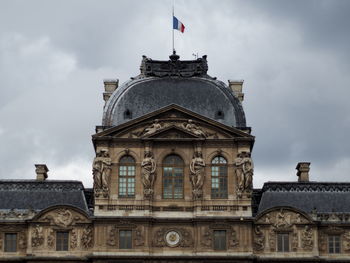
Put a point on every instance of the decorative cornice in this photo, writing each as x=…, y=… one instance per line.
x=306, y=187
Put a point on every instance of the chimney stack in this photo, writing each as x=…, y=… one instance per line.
x=236, y=86
x=41, y=172
x=303, y=169
x=110, y=86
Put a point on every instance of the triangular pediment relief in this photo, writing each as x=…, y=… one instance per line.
x=175, y=121
x=173, y=132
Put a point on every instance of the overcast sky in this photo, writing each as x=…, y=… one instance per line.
x=294, y=57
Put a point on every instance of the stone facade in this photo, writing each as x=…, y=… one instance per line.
x=173, y=185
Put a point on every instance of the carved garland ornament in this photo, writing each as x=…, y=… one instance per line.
x=87, y=237
x=37, y=236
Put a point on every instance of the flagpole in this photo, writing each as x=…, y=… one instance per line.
x=173, y=27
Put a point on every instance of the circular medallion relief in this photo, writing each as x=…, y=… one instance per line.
x=172, y=238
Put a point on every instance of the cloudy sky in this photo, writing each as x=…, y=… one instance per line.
x=294, y=57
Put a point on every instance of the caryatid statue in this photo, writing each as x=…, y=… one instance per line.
x=244, y=171
x=101, y=170
x=148, y=173
x=197, y=174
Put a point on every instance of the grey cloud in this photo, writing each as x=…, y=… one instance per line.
x=293, y=56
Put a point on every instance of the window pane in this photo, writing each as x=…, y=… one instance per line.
x=219, y=177
x=334, y=244
x=127, y=177
x=125, y=239
x=219, y=239
x=62, y=241
x=173, y=177
x=283, y=242
x=10, y=242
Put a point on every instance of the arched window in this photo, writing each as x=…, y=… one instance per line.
x=173, y=170
x=219, y=177
x=127, y=176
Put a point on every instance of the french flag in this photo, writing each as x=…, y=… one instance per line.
x=178, y=25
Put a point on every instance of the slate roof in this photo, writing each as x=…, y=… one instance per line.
x=184, y=83
x=38, y=195
x=323, y=196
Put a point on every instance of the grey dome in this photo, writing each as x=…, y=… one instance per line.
x=193, y=90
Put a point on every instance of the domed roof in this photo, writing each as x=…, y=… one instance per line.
x=184, y=83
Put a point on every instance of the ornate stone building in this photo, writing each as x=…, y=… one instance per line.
x=173, y=183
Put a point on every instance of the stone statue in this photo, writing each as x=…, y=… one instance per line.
x=101, y=170
x=192, y=127
x=155, y=126
x=148, y=173
x=244, y=172
x=197, y=174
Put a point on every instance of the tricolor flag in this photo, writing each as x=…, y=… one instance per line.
x=178, y=25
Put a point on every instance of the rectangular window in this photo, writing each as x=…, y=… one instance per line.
x=62, y=238
x=220, y=239
x=282, y=242
x=127, y=181
x=10, y=242
x=334, y=244
x=125, y=239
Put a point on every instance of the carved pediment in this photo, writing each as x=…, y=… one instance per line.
x=183, y=123
x=62, y=217
x=283, y=218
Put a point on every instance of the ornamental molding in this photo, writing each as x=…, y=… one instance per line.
x=173, y=237
x=306, y=187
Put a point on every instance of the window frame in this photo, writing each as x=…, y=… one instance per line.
x=222, y=192
x=173, y=177
x=127, y=177
x=332, y=250
x=60, y=245
x=7, y=247
x=126, y=241
x=284, y=248
x=214, y=239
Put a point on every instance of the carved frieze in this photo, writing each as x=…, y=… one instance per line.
x=37, y=236
x=63, y=217
x=139, y=239
x=233, y=239
x=346, y=241
x=207, y=238
x=51, y=238
x=307, y=238
x=259, y=239
x=17, y=214
x=173, y=237
x=111, y=236
x=73, y=239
